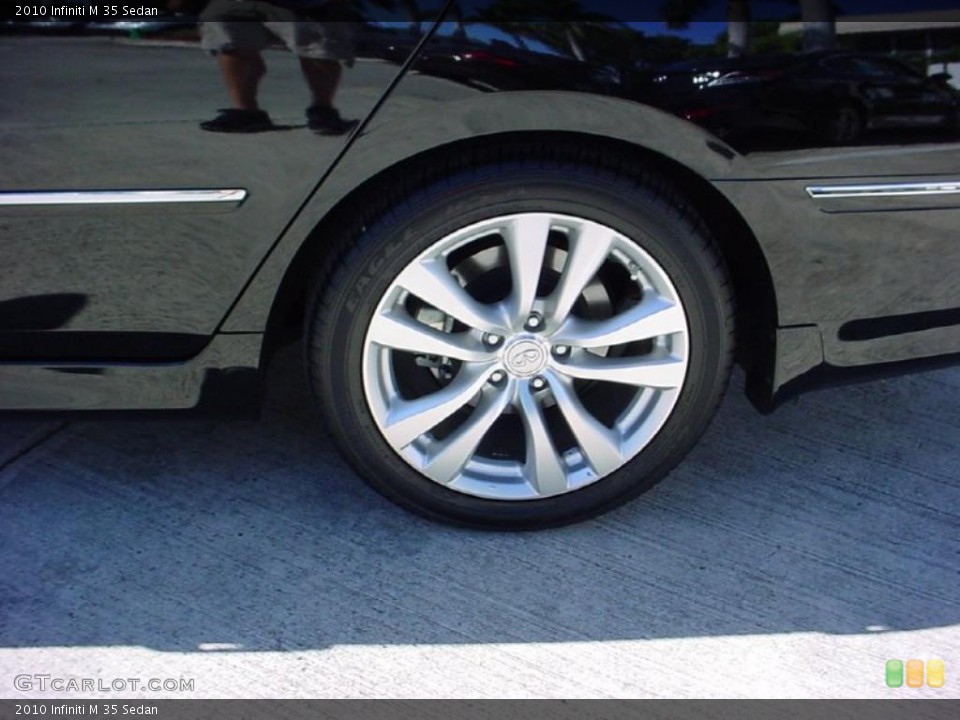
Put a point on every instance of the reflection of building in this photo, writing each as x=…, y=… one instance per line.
x=933, y=33
x=930, y=32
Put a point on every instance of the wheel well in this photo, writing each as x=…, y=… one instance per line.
x=753, y=286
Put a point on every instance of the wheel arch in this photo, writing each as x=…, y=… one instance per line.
x=317, y=257
x=401, y=151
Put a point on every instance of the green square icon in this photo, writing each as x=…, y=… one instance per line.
x=894, y=673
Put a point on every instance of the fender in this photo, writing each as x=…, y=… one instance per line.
x=399, y=132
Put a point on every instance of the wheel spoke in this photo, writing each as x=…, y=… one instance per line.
x=543, y=468
x=651, y=318
x=663, y=373
x=398, y=331
x=446, y=463
x=409, y=419
x=600, y=444
x=590, y=246
x=526, y=239
x=431, y=281
x=519, y=353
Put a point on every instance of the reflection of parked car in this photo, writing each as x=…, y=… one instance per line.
x=375, y=41
x=682, y=77
x=498, y=64
x=835, y=96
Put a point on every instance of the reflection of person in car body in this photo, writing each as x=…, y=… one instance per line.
x=237, y=30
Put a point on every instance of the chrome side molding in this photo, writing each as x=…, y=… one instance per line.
x=121, y=197
x=916, y=189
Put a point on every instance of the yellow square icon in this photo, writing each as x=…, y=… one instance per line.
x=914, y=673
x=935, y=673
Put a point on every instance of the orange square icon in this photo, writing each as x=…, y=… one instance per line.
x=914, y=673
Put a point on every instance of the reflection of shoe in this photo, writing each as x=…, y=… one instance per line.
x=327, y=121
x=238, y=121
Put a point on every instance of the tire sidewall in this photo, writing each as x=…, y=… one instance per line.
x=389, y=245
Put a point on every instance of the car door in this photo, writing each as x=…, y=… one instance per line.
x=127, y=229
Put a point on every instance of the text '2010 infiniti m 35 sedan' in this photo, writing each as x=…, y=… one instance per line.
x=520, y=267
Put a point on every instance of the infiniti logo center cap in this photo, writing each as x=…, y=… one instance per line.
x=525, y=357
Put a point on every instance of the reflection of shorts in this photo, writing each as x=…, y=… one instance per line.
x=254, y=25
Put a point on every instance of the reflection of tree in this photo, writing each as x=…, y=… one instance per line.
x=679, y=13
x=410, y=9
x=819, y=25
x=560, y=24
x=738, y=27
x=567, y=27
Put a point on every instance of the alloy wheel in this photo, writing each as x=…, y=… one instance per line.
x=525, y=356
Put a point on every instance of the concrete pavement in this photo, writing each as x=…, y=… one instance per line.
x=789, y=556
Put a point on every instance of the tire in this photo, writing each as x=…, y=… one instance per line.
x=951, y=122
x=518, y=356
x=844, y=124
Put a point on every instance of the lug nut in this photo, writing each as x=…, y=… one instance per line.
x=491, y=339
x=561, y=350
x=497, y=377
x=534, y=322
x=539, y=383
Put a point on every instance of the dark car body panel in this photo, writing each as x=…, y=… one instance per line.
x=759, y=102
x=95, y=126
x=177, y=306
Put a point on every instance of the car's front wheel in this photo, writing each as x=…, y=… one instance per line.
x=523, y=345
x=844, y=124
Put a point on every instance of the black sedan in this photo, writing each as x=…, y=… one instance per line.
x=519, y=309
x=832, y=97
